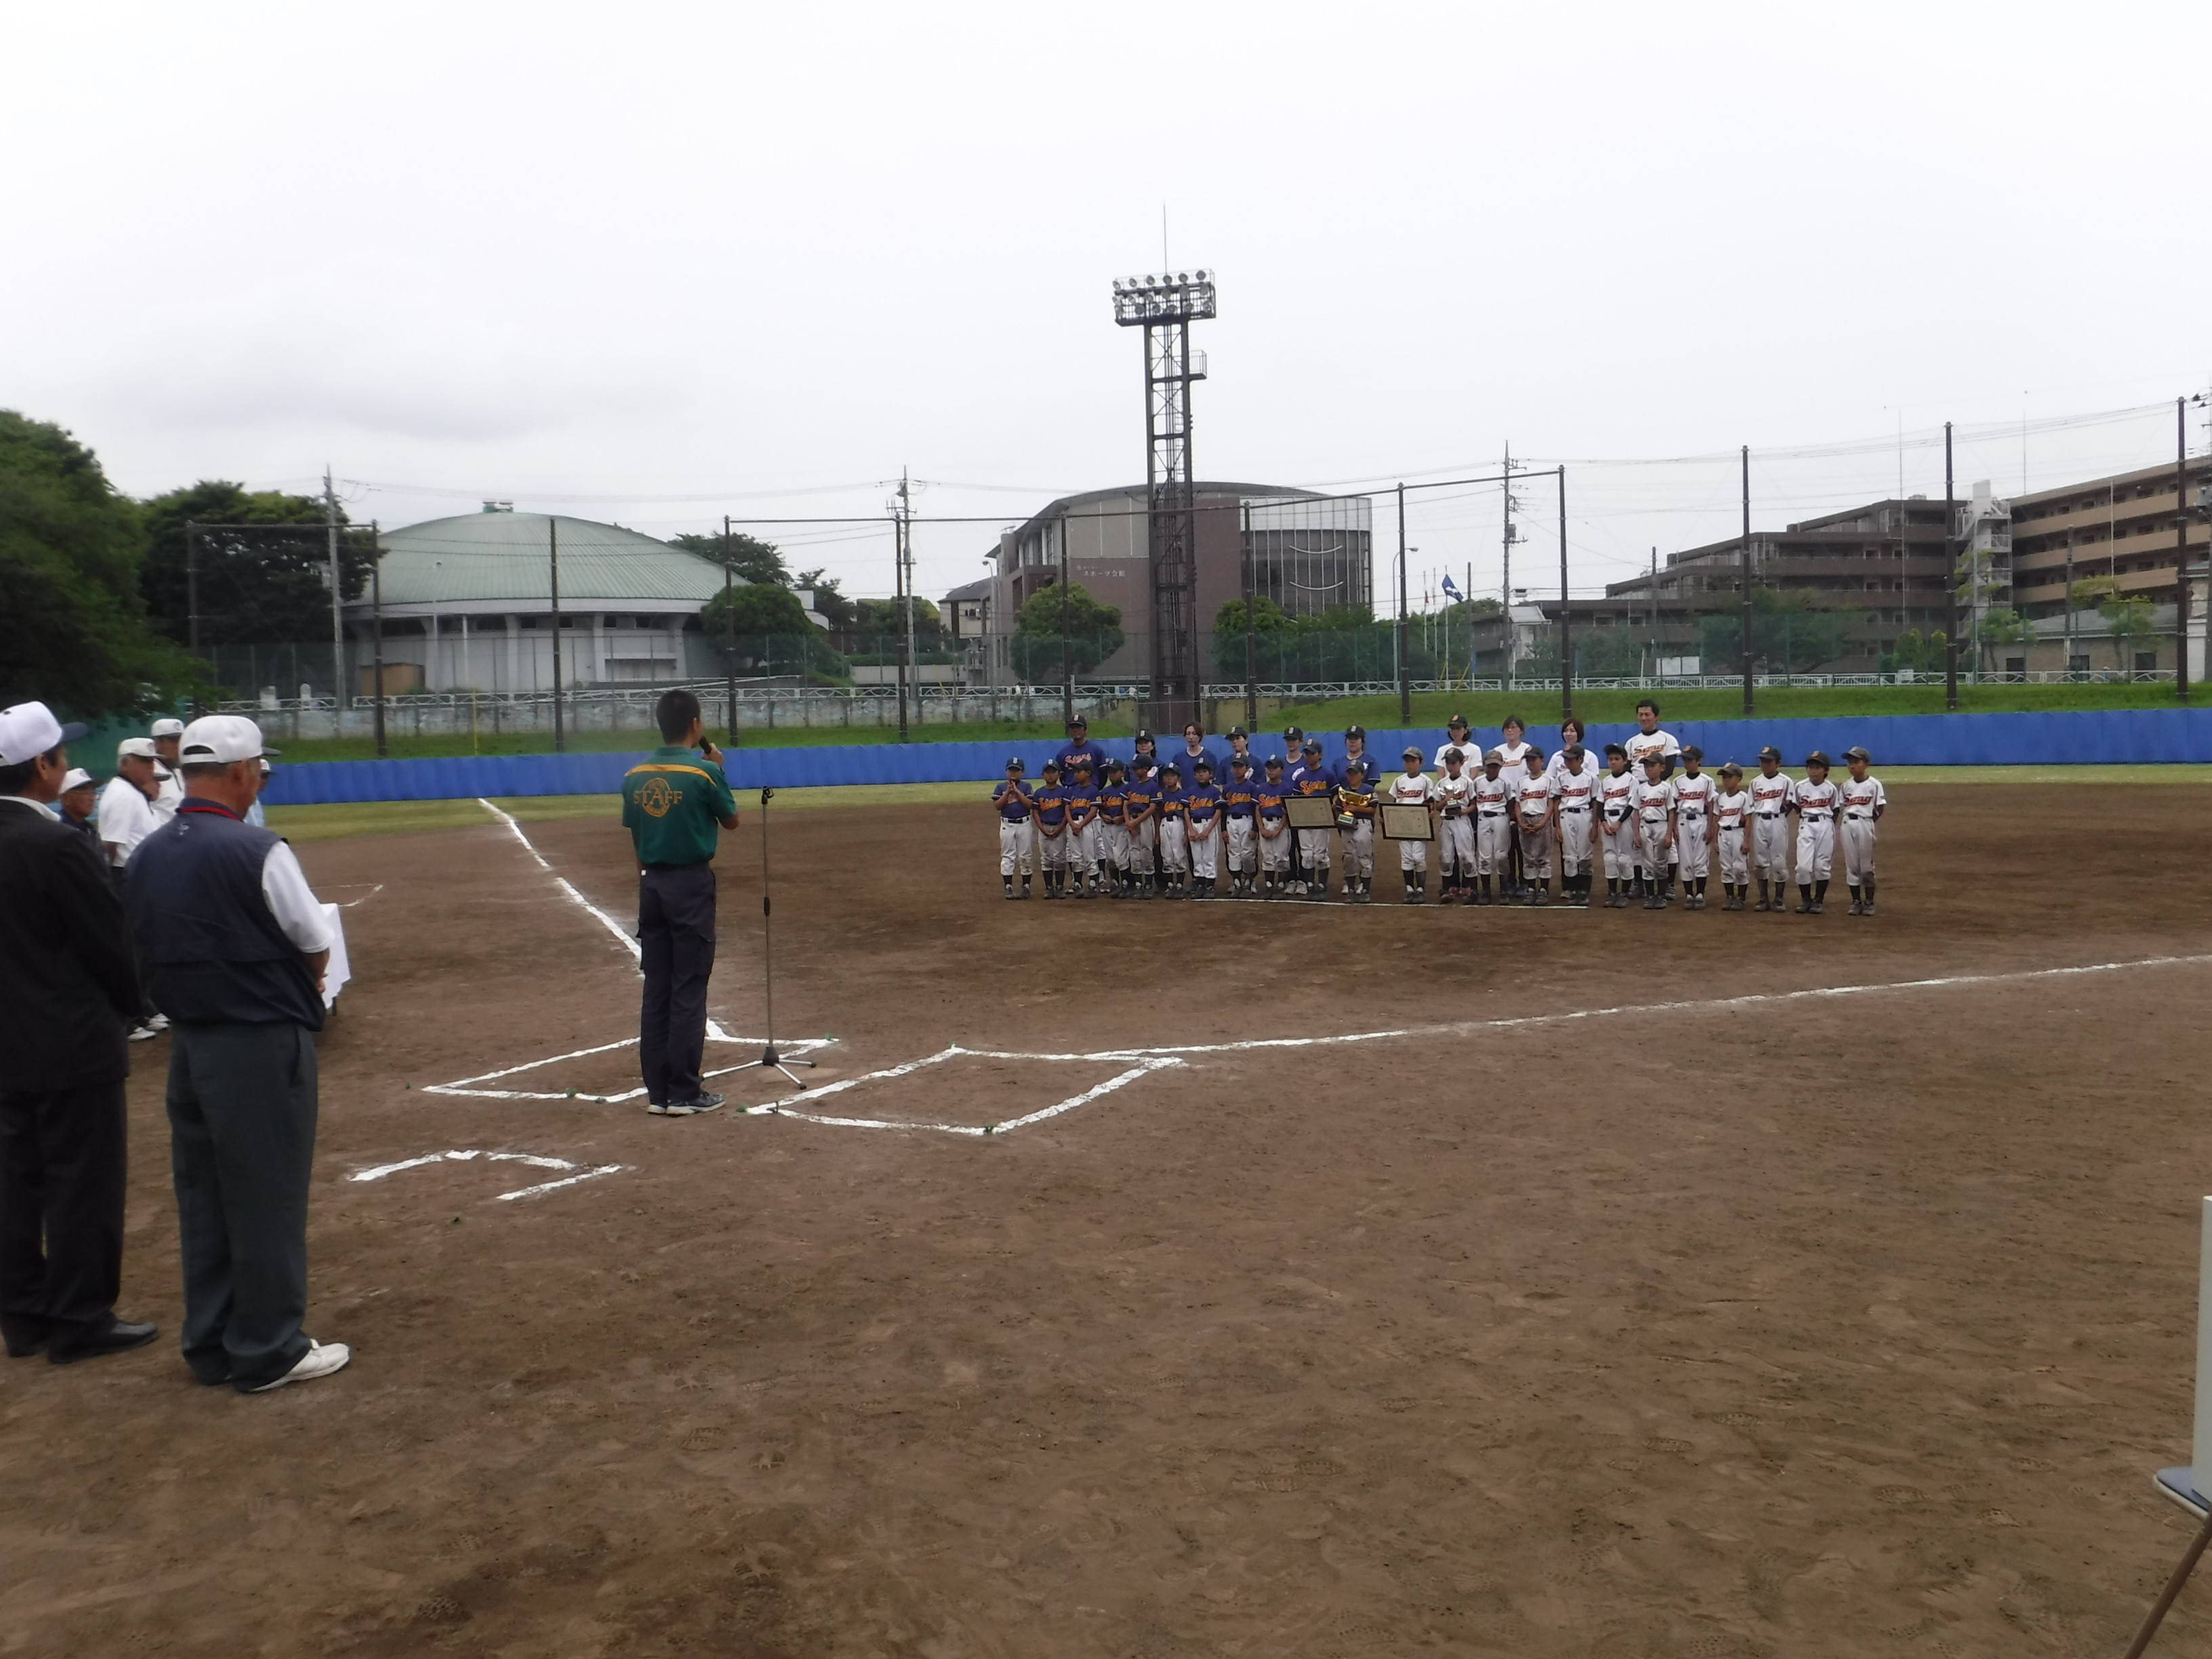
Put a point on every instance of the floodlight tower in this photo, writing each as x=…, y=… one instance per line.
x=1164, y=306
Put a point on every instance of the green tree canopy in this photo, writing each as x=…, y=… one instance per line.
x=834, y=608
x=751, y=558
x=1790, y=632
x=73, y=629
x=765, y=629
x=1267, y=616
x=878, y=627
x=1093, y=632
x=256, y=585
x=2129, y=619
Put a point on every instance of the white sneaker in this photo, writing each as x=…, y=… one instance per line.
x=320, y=1359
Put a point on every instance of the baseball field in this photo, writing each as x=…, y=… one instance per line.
x=1333, y=1281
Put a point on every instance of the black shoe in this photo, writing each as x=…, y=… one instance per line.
x=702, y=1101
x=23, y=1344
x=119, y=1336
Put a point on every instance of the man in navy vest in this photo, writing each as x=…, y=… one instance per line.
x=67, y=992
x=236, y=944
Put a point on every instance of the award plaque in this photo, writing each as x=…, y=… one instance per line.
x=1310, y=812
x=1404, y=822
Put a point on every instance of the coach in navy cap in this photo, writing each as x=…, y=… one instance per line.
x=236, y=944
x=68, y=991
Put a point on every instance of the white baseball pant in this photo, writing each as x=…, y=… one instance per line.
x=1857, y=836
x=1413, y=855
x=1051, y=849
x=1016, y=845
x=1493, y=841
x=1619, y=840
x=1114, y=846
x=1652, y=852
x=1313, y=850
x=1175, y=839
x=1735, y=863
x=1770, y=846
x=1206, y=852
x=1535, y=853
x=1691, y=851
x=1455, y=844
x=1816, y=849
x=1574, y=840
x=1359, y=849
x=1275, y=850
x=1239, y=831
x=1082, y=850
x=1137, y=843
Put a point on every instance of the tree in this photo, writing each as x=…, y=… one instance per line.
x=256, y=586
x=1092, y=630
x=1790, y=632
x=833, y=606
x=1609, y=654
x=2001, y=625
x=73, y=629
x=765, y=629
x=752, y=559
x=2128, y=618
x=878, y=628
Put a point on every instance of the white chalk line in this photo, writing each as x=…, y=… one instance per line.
x=792, y=1046
x=536, y=1160
x=1145, y=1064
x=374, y=888
x=714, y=1031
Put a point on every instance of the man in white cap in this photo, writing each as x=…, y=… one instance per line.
x=127, y=814
x=67, y=990
x=237, y=943
x=167, y=735
x=78, y=801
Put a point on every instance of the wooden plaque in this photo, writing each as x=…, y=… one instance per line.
x=1404, y=822
x=1310, y=812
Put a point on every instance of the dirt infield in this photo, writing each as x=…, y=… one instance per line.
x=1747, y=1324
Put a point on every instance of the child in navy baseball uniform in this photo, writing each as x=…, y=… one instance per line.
x=1294, y=748
x=1314, y=777
x=1017, y=828
x=1616, y=827
x=1414, y=787
x=1140, y=803
x=1770, y=829
x=1494, y=832
x=1240, y=799
x=1048, y=801
x=1201, y=812
x=1082, y=828
x=1864, y=801
x=1277, y=839
x=1355, y=817
x=1814, y=798
x=1732, y=836
x=1113, y=830
x=1174, y=833
x=1694, y=795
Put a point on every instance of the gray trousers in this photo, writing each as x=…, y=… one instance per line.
x=242, y=1111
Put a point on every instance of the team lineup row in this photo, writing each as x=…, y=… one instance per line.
x=1501, y=820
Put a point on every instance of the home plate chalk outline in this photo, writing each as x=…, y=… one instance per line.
x=468, y=1085
x=534, y=1159
x=1141, y=1066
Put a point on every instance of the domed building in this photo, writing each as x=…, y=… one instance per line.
x=467, y=605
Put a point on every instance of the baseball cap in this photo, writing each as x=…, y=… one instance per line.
x=1855, y=752
x=1241, y=760
x=216, y=738
x=1074, y=720
x=1411, y=753
x=1052, y=765
x=1770, y=753
x=1454, y=754
x=78, y=778
x=1171, y=769
x=1690, y=751
x=1015, y=763
x=1274, y=760
x=1239, y=731
x=1460, y=720
x=1730, y=769
x=1312, y=746
x=1493, y=758
x=137, y=749
x=1355, y=730
x=1818, y=757
x=1115, y=766
x=1202, y=765
x=1143, y=737
x=1655, y=758
x=27, y=729
x=166, y=729
x=1572, y=751
x=1294, y=731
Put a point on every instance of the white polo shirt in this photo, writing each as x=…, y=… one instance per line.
x=126, y=818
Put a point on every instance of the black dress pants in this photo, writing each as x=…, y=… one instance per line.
x=242, y=1110
x=61, y=1209
x=676, y=939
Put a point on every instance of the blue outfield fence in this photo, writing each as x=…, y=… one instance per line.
x=2094, y=736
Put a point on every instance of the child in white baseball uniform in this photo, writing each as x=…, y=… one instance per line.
x=1770, y=829
x=1456, y=827
x=1616, y=829
x=1536, y=813
x=1732, y=836
x=1864, y=800
x=1694, y=795
x=1654, y=801
x=1415, y=788
x=1493, y=832
x=1575, y=784
x=1812, y=798
x=1017, y=833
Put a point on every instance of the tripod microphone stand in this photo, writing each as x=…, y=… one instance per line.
x=770, y=1059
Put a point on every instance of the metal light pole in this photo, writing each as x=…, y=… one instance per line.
x=1251, y=625
x=376, y=626
x=553, y=569
x=1405, y=678
x=1066, y=657
x=1950, y=580
x=2180, y=551
x=1748, y=680
x=729, y=634
x=1566, y=639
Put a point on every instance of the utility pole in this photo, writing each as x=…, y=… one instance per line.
x=1251, y=626
x=1505, y=595
x=553, y=570
x=376, y=626
x=1950, y=580
x=1566, y=640
x=729, y=634
x=1747, y=679
x=2180, y=550
x=1405, y=680
x=899, y=533
x=2070, y=535
x=338, y=603
x=1066, y=657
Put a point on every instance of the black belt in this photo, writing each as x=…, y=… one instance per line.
x=1488, y=813
x=1574, y=809
x=1770, y=814
x=1860, y=817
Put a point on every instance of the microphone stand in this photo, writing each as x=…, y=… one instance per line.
x=769, y=1060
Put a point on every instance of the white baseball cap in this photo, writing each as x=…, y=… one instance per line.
x=78, y=778
x=27, y=729
x=136, y=748
x=167, y=729
x=215, y=739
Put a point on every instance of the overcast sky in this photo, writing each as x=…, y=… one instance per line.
x=658, y=262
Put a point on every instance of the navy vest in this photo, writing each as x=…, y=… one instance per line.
x=214, y=952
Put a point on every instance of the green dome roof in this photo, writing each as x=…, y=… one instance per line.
x=500, y=559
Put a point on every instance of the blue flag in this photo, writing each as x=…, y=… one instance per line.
x=1451, y=590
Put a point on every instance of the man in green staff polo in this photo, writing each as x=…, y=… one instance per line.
x=671, y=802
